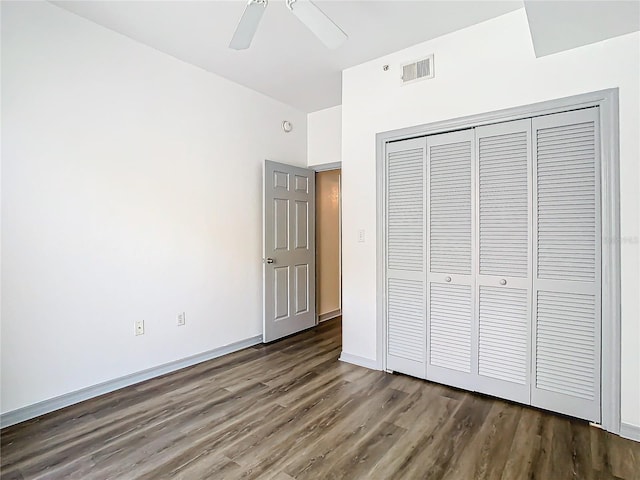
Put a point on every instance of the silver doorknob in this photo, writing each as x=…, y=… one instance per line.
x=269, y=260
x=448, y=279
x=503, y=282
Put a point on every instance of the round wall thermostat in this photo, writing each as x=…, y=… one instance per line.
x=286, y=126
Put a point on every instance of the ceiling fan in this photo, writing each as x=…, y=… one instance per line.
x=308, y=13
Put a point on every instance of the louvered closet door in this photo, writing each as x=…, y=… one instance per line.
x=405, y=243
x=451, y=342
x=567, y=281
x=503, y=293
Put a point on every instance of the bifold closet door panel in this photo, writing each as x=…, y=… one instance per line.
x=503, y=295
x=567, y=264
x=406, y=257
x=451, y=340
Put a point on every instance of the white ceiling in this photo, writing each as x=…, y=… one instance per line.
x=288, y=63
x=561, y=25
x=285, y=60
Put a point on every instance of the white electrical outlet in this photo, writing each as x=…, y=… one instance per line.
x=181, y=318
x=140, y=327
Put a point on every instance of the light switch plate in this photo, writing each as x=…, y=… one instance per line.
x=139, y=327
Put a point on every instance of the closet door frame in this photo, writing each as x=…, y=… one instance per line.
x=607, y=101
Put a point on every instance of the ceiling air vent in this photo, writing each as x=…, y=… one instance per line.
x=418, y=70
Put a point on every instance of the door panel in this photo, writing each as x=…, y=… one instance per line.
x=302, y=224
x=405, y=243
x=565, y=343
x=450, y=212
x=289, y=246
x=302, y=289
x=280, y=224
x=503, y=356
x=503, y=291
x=406, y=322
x=567, y=277
x=302, y=184
x=450, y=326
x=451, y=337
x=281, y=284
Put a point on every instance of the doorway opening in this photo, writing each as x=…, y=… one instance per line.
x=328, y=244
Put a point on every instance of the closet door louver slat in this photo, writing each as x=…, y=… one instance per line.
x=566, y=365
x=405, y=242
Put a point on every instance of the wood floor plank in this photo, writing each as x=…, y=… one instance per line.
x=316, y=423
x=625, y=457
x=405, y=459
x=446, y=449
x=290, y=410
x=419, y=406
x=208, y=465
x=522, y=455
x=561, y=448
x=318, y=460
x=360, y=458
x=489, y=448
x=580, y=445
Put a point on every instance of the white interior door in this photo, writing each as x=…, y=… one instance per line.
x=405, y=242
x=451, y=333
x=503, y=292
x=289, y=250
x=567, y=264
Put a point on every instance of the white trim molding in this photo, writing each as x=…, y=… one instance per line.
x=324, y=167
x=632, y=432
x=62, y=401
x=323, y=317
x=607, y=101
x=359, y=361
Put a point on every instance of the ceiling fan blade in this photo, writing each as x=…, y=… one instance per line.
x=248, y=24
x=317, y=21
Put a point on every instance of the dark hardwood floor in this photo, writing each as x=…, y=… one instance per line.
x=291, y=410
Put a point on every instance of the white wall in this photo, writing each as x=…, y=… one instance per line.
x=324, y=136
x=483, y=68
x=131, y=189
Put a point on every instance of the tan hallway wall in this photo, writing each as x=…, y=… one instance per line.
x=328, y=241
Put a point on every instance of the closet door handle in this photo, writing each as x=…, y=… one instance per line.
x=447, y=279
x=503, y=282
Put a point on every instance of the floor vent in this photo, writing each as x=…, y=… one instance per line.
x=418, y=70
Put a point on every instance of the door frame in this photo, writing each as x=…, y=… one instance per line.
x=326, y=167
x=607, y=101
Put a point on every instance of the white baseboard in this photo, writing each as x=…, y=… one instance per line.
x=632, y=432
x=323, y=317
x=56, y=403
x=360, y=361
